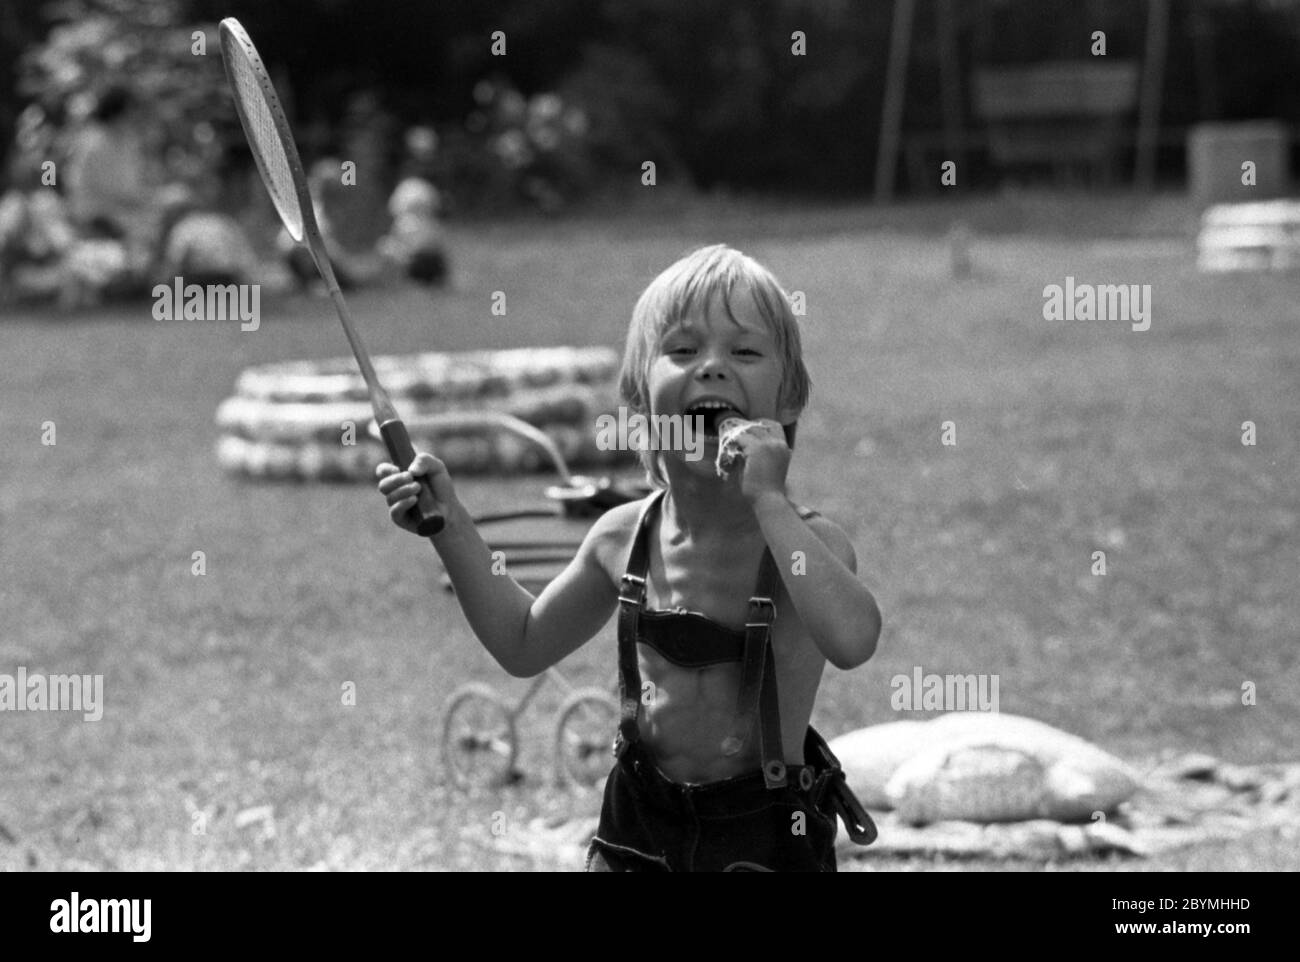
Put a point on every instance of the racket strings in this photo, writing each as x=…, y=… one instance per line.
x=265, y=140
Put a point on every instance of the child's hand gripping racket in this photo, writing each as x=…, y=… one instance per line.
x=277, y=160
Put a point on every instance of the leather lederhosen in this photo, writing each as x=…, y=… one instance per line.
x=776, y=819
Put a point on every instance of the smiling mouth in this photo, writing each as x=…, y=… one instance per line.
x=713, y=413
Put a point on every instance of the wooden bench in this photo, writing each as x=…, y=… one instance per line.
x=1066, y=115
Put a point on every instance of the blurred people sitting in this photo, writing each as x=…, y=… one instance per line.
x=350, y=268
x=34, y=229
x=206, y=247
x=42, y=258
x=114, y=183
x=416, y=242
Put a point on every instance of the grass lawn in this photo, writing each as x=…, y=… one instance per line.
x=223, y=692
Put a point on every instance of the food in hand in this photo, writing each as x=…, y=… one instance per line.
x=730, y=428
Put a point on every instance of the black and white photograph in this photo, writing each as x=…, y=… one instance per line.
x=651, y=436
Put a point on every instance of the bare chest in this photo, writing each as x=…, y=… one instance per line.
x=715, y=578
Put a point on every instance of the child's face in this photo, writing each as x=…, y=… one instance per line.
x=708, y=356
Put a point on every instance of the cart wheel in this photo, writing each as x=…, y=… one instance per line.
x=479, y=741
x=584, y=734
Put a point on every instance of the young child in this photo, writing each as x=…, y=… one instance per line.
x=352, y=269
x=730, y=600
x=415, y=241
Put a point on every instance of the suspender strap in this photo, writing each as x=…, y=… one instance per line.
x=831, y=792
x=758, y=686
x=758, y=696
x=631, y=598
x=769, y=720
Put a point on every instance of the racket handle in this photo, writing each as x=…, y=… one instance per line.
x=428, y=519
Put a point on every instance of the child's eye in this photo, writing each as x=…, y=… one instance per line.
x=680, y=349
x=749, y=350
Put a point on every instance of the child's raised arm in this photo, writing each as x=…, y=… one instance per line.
x=839, y=610
x=526, y=635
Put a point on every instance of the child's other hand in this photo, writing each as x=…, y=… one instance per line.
x=766, y=458
x=401, y=488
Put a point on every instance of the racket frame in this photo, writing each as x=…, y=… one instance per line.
x=235, y=42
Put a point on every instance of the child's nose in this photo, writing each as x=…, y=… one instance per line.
x=713, y=360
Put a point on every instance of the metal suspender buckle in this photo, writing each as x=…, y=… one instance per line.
x=758, y=618
x=633, y=593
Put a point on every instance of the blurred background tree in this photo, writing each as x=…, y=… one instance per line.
x=146, y=47
x=711, y=92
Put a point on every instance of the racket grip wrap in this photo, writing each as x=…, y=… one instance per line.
x=428, y=519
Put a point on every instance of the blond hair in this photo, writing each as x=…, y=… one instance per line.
x=690, y=284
